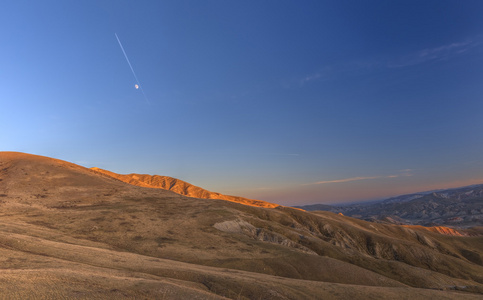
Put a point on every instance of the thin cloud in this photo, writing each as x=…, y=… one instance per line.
x=444, y=52
x=284, y=154
x=320, y=74
x=440, y=53
x=310, y=78
x=406, y=172
x=344, y=180
x=264, y=188
x=403, y=173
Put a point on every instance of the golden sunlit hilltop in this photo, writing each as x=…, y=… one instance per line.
x=71, y=232
x=180, y=187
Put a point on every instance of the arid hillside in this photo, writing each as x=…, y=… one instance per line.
x=180, y=187
x=71, y=232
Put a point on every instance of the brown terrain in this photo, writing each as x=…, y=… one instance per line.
x=180, y=187
x=455, y=208
x=71, y=232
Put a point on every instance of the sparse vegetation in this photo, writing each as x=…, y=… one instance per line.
x=135, y=242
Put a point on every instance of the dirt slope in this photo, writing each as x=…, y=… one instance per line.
x=71, y=232
x=181, y=187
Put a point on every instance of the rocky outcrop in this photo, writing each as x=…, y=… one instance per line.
x=260, y=234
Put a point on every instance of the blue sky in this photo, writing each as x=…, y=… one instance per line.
x=293, y=102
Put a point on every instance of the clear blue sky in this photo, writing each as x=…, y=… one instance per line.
x=294, y=102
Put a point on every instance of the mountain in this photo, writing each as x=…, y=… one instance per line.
x=180, y=187
x=71, y=232
x=457, y=207
x=314, y=207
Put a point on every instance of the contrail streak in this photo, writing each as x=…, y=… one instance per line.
x=134, y=73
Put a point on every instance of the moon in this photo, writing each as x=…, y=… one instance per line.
x=136, y=86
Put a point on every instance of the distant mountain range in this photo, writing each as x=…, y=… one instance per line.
x=458, y=207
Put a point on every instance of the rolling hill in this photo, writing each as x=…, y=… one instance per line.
x=71, y=232
x=180, y=187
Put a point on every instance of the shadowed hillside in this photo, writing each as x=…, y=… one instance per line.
x=71, y=232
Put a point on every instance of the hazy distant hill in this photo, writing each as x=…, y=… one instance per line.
x=68, y=232
x=460, y=207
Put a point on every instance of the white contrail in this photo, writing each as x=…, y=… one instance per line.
x=129, y=63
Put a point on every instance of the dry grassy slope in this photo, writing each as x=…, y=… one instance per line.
x=180, y=187
x=440, y=229
x=61, y=224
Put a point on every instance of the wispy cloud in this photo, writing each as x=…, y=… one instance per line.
x=320, y=74
x=310, y=77
x=343, y=180
x=443, y=52
x=439, y=53
x=406, y=172
x=403, y=173
x=264, y=188
x=284, y=154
